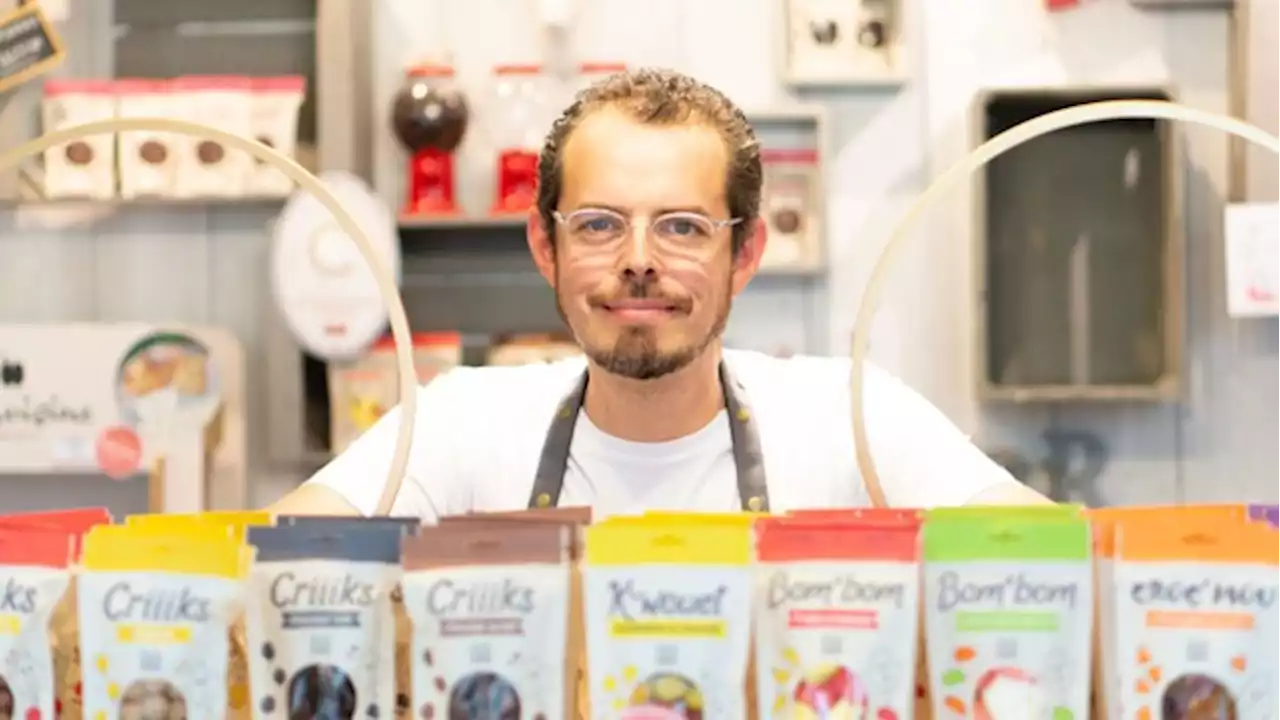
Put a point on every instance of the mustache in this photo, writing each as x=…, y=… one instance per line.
x=640, y=290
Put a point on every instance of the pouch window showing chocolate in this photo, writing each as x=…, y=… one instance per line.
x=154, y=618
x=406, y=525
x=574, y=519
x=1194, y=635
x=320, y=623
x=490, y=608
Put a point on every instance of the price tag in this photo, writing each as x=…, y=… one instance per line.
x=29, y=47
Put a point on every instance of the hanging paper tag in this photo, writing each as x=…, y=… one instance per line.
x=1252, y=246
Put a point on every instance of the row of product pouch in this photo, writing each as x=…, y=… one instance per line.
x=1051, y=612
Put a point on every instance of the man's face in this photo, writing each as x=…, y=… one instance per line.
x=651, y=300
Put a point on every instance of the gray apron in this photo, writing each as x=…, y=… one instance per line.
x=747, y=459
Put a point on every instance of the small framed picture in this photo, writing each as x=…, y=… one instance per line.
x=790, y=208
x=843, y=43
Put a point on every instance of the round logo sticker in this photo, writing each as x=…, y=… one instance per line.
x=119, y=452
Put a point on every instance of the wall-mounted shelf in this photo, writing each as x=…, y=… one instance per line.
x=855, y=44
x=462, y=222
x=794, y=150
x=1079, y=271
x=235, y=203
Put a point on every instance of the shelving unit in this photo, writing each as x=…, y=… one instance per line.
x=410, y=224
x=1079, y=272
x=840, y=60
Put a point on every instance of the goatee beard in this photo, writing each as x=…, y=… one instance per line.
x=636, y=356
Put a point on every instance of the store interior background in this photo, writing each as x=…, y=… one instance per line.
x=208, y=265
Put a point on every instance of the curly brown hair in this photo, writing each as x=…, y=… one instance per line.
x=662, y=97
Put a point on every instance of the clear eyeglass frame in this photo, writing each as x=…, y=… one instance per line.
x=698, y=228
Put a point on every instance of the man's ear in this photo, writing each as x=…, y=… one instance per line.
x=747, y=262
x=542, y=246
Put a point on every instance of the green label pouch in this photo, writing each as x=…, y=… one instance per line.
x=1008, y=613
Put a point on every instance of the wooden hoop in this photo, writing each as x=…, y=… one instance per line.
x=399, y=320
x=960, y=172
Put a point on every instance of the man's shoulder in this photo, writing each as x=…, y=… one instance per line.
x=514, y=388
x=803, y=375
x=814, y=385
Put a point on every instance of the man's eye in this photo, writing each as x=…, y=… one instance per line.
x=598, y=226
x=682, y=227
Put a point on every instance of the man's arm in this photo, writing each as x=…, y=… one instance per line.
x=1009, y=493
x=924, y=460
x=313, y=499
x=352, y=482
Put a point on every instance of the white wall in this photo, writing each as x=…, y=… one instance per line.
x=192, y=266
x=1220, y=444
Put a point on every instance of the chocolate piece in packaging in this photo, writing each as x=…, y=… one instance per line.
x=837, y=608
x=34, y=567
x=207, y=168
x=83, y=168
x=490, y=608
x=274, y=123
x=155, y=614
x=321, y=624
x=792, y=184
x=668, y=617
x=148, y=160
x=1008, y=609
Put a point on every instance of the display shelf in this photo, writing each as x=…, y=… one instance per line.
x=824, y=46
x=794, y=186
x=236, y=203
x=1079, y=272
x=409, y=223
x=887, y=82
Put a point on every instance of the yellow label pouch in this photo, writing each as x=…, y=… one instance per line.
x=154, y=612
x=668, y=613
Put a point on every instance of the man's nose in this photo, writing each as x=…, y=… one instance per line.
x=638, y=257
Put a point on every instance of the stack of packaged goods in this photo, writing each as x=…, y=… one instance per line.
x=992, y=613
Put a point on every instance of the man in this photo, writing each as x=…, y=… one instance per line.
x=647, y=227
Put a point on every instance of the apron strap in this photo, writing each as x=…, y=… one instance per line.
x=748, y=458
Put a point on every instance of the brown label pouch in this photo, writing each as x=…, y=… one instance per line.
x=576, y=649
x=489, y=606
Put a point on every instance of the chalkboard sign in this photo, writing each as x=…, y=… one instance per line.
x=28, y=46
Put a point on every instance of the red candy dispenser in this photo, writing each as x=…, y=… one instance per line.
x=430, y=117
x=520, y=117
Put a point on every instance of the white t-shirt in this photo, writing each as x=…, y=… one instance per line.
x=479, y=436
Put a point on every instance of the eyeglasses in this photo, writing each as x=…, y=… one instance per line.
x=599, y=228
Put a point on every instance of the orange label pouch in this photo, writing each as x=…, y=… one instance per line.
x=1196, y=619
